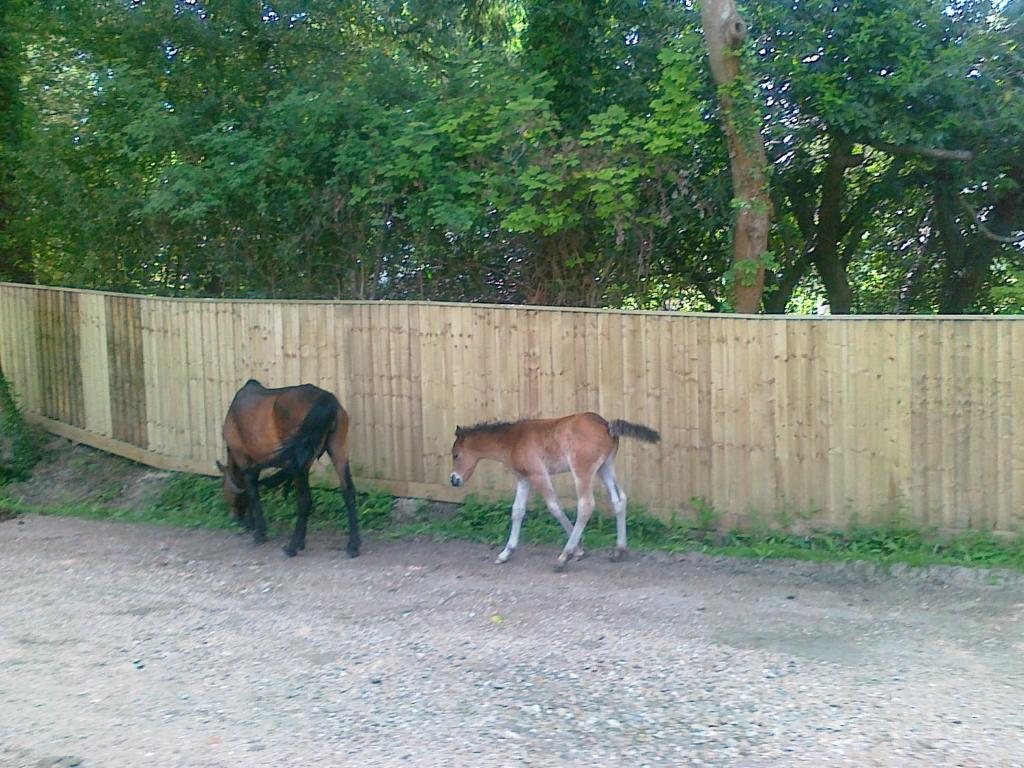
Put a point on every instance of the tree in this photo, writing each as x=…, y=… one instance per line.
x=14, y=261
x=870, y=104
x=570, y=152
x=724, y=32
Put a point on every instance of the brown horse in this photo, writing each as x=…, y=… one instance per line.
x=534, y=449
x=287, y=428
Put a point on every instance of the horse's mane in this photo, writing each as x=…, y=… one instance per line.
x=487, y=428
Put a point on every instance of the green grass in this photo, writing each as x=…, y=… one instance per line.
x=196, y=502
x=882, y=545
x=895, y=542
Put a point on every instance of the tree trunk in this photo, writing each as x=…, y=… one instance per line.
x=967, y=261
x=825, y=254
x=837, y=286
x=724, y=31
x=775, y=301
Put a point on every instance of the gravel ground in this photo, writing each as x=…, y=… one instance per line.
x=133, y=645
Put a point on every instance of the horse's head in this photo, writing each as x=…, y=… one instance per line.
x=234, y=494
x=464, y=459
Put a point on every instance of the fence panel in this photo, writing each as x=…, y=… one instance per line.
x=821, y=420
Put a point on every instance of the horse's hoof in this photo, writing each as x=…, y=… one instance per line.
x=559, y=565
x=290, y=551
x=352, y=552
x=257, y=540
x=502, y=557
x=578, y=554
x=619, y=554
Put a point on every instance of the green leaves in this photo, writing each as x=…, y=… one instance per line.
x=19, y=442
x=473, y=151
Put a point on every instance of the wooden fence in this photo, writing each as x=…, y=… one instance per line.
x=822, y=419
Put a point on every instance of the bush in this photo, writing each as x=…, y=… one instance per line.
x=19, y=443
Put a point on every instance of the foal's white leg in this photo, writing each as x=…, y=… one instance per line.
x=618, y=498
x=584, y=508
x=518, y=513
x=543, y=485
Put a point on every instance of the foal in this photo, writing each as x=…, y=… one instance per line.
x=534, y=449
x=288, y=428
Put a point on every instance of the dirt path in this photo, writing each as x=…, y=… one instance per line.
x=130, y=645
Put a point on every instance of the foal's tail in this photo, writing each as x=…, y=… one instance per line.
x=622, y=428
x=310, y=439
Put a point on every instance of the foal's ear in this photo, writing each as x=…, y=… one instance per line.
x=220, y=466
x=459, y=431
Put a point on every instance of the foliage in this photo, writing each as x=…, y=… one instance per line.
x=1009, y=297
x=563, y=152
x=19, y=442
x=858, y=93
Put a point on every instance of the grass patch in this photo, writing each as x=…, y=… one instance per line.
x=896, y=542
x=193, y=501
x=487, y=522
x=883, y=544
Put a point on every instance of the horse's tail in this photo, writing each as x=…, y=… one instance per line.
x=623, y=428
x=310, y=439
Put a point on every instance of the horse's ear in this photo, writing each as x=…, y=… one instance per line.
x=459, y=431
x=220, y=466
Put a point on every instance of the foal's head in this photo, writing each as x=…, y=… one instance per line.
x=234, y=494
x=464, y=459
